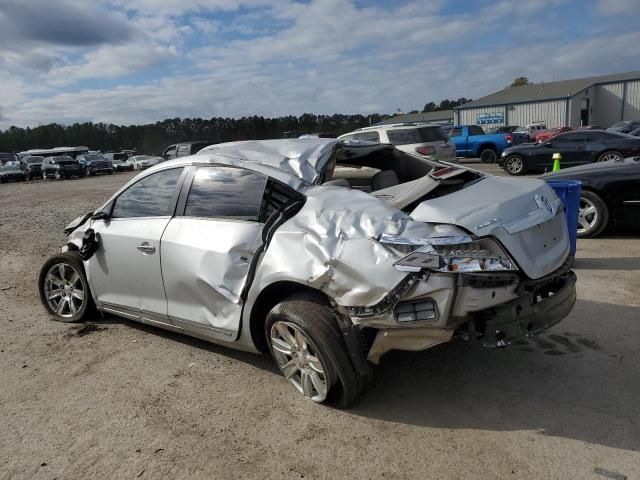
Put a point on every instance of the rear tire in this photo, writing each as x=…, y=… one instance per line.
x=64, y=290
x=488, y=155
x=309, y=317
x=612, y=155
x=514, y=165
x=593, y=216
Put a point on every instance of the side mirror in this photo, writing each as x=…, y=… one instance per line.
x=102, y=215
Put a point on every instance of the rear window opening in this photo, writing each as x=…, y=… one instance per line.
x=406, y=136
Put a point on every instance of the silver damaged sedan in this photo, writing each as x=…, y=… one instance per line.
x=325, y=254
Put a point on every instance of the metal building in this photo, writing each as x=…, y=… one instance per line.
x=602, y=100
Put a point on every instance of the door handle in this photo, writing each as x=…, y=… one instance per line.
x=146, y=248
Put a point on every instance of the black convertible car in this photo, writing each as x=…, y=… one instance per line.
x=610, y=194
x=577, y=148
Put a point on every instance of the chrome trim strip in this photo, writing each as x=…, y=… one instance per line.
x=190, y=325
x=631, y=202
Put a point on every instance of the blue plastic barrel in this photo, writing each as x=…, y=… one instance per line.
x=569, y=193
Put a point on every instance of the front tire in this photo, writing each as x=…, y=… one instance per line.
x=64, y=290
x=514, y=165
x=488, y=155
x=593, y=215
x=612, y=155
x=306, y=344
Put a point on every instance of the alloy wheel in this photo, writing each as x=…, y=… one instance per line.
x=611, y=156
x=298, y=360
x=514, y=165
x=63, y=290
x=587, y=216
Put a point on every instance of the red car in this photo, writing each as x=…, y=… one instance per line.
x=552, y=132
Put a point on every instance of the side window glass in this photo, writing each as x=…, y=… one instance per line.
x=369, y=136
x=170, y=153
x=150, y=197
x=226, y=192
x=403, y=137
x=456, y=132
x=183, y=151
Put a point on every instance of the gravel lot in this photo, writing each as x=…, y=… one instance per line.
x=130, y=401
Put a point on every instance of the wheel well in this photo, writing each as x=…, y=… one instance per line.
x=267, y=299
x=485, y=146
x=608, y=150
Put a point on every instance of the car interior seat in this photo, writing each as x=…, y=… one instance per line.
x=384, y=179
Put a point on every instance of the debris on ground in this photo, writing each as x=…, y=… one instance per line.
x=84, y=329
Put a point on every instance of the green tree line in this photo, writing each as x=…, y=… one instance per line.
x=154, y=137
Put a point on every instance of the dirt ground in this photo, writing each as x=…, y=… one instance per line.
x=130, y=401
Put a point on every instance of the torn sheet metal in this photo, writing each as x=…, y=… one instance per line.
x=332, y=245
x=412, y=339
x=303, y=158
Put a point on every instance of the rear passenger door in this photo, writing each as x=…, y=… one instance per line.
x=207, y=249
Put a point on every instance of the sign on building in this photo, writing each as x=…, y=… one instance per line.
x=489, y=118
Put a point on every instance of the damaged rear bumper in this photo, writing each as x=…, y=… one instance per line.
x=534, y=306
x=529, y=314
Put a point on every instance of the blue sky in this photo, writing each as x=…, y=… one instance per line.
x=140, y=61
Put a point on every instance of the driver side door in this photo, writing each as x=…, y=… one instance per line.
x=124, y=273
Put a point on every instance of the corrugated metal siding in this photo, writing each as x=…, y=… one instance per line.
x=575, y=119
x=552, y=113
x=469, y=116
x=607, y=108
x=632, y=101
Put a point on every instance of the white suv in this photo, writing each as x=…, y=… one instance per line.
x=532, y=129
x=426, y=140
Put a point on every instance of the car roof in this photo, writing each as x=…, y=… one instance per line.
x=304, y=158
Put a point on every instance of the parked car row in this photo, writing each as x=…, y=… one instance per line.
x=65, y=166
x=579, y=147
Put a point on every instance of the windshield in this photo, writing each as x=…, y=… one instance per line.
x=93, y=157
x=34, y=159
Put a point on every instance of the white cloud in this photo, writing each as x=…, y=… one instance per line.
x=324, y=57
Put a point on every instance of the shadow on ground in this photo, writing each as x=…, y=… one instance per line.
x=560, y=384
x=549, y=384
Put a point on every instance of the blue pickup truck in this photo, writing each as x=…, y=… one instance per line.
x=472, y=141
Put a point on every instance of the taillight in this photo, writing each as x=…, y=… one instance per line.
x=428, y=150
x=508, y=138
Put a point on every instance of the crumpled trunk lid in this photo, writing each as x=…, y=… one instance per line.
x=525, y=215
